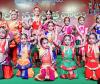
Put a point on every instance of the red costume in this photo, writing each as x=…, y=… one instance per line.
x=92, y=64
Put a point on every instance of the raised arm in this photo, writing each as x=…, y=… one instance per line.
x=92, y=27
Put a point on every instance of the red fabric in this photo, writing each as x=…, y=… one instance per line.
x=36, y=56
x=43, y=73
x=35, y=26
x=92, y=57
x=66, y=68
x=20, y=27
x=14, y=57
x=98, y=73
x=63, y=67
x=51, y=74
x=2, y=44
x=88, y=73
x=64, y=76
x=7, y=71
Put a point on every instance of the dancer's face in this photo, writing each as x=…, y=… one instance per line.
x=67, y=21
x=14, y=15
x=67, y=40
x=48, y=15
x=50, y=26
x=81, y=21
x=36, y=11
x=92, y=39
x=45, y=43
x=17, y=38
x=23, y=39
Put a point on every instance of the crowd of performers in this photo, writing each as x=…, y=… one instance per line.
x=27, y=42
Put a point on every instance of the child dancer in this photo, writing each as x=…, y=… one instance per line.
x=80, y=37
x=51, y=34
x=47, y=71
x=36, y=21
x=91, y=58
x=6, y=70
x=68, y=65
x=14, y=24
x=24, y=64
x=47, y=19
x=68, y=29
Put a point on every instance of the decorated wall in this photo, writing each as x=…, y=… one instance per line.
x=60, y=8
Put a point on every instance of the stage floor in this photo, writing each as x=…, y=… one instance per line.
x=80, y=80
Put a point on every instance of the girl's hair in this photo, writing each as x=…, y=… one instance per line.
x=23, y=34
x=65, y=37
x=41, y=40
x=37, y=7
x=14, y=10
x=51, y=22
x=92, y=34
x=50, y=13
x=66, y=18
x=81, y=17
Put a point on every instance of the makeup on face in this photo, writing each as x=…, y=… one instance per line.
x=67, y=40
x=36, y=11
x=51, y=26
x=23, y=39
x=48, y=14
x=92, y=39
x=67, y=21
x=81, y=21
x=14, y=15
x=45, y=44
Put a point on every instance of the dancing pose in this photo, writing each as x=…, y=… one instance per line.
x=68, y=65
x=91, y=58
x=24, y=64
x=6, y=70
x=47, y=70
x=80, y=37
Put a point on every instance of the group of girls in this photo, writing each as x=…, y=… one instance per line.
x=28, y=42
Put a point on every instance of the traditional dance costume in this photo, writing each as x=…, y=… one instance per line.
x=6, y=70
x=92, y=65
x=24, y=62
x=47, y=71
x=68, y=64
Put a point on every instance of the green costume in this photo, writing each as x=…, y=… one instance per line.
x=68, y=61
